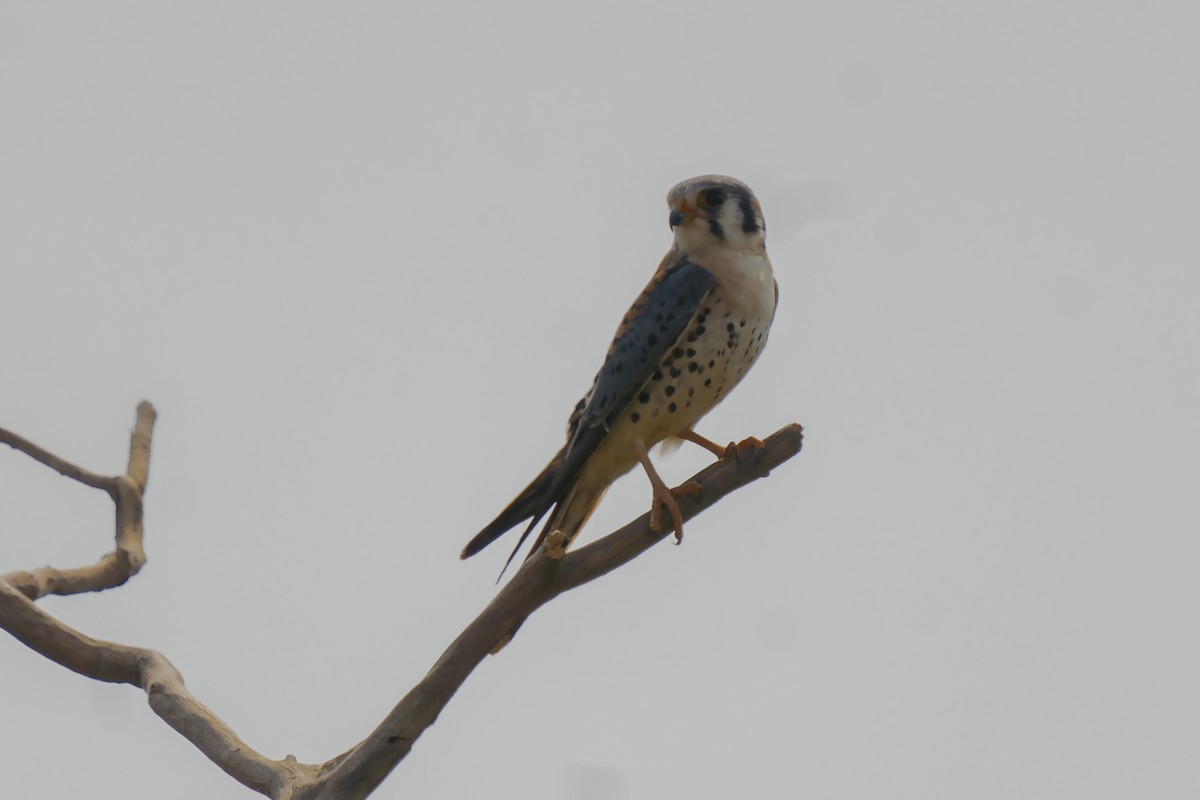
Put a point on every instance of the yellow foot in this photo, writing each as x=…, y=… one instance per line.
x=748, y=445
x=668, y=499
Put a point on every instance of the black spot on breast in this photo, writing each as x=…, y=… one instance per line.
x=730, y=327
x=672, y=408
x=712, y=364
x=644, y=397
x=658, y=376
x=670, y=390
x=675, y=372
x=691, y=352
x=693, y=366
x=692, y=392
x=635, y=417
x=742, y=324
x=677, y=352
x=708, y=381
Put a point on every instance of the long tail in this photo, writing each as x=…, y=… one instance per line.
x=554, y=486
x=570, y=515
x=533, y=502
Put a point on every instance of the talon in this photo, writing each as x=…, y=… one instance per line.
x=689, y=489
x=662, y=495
x=748, y=445
x=667, y=498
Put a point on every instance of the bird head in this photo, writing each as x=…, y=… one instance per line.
x=716, y=211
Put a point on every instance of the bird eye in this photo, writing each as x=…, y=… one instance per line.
x=712, y=198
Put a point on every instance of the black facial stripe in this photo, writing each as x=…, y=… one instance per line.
x=749, y=220
x=714, y=225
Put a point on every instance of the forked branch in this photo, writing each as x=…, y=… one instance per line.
x=118, y=663
x=358, y=771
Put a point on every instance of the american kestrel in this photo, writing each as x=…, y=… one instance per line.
x=687, y=340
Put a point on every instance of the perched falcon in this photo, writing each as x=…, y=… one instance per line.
x=691, y=335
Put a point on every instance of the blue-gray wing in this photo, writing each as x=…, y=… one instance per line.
x=654, y=324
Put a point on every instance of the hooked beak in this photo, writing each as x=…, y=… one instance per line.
x=677, y=217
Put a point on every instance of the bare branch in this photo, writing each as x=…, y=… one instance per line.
x=127, y=558
x=59, y=465
x=149, y=670
x=357, y=772
x=117, y=663
x=139, y=445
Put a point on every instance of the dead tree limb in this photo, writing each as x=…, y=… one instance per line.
x=126, y=490
x=118, y=663
x=358, y=771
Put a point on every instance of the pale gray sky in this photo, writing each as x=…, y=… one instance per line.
x=364, y=258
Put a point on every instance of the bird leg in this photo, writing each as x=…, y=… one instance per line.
x=708, y=444
x=730, y=450
x=662, y=494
